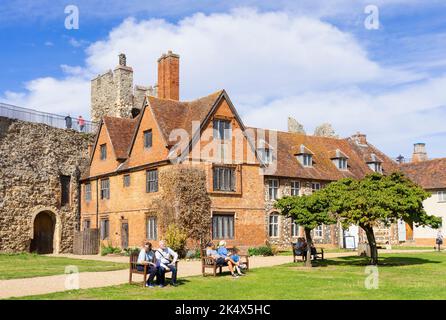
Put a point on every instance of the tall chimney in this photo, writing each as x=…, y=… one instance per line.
x=169, y=76
x=419, y=152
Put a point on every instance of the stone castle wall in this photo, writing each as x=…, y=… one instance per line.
x=32, y=159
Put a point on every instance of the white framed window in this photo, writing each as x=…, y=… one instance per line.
x=315, y=186
x=273, y=225
x=295, y=188
x=441, y=196
x=294, y=229
x=341, y=163
x=318, y=232
x=151, y=228
x=375, y=166
x=273, y=189
x=305, y=159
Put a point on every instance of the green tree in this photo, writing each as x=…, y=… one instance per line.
x=308, y=211
x=378, y=199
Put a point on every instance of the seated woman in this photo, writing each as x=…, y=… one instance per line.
x=219, y=259
x=147, y=256
x=233, y=258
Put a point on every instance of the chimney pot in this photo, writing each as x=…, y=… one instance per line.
x=360, y=138
x=122, y=60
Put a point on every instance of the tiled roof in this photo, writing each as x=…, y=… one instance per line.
x=121, y=132
x=430, y=174
x=322, y=147
x=171, y=114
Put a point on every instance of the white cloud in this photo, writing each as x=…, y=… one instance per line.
x=272, y=64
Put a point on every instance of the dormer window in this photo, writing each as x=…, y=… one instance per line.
x=305, y=156
x=375, y=166
x=266, y=155
x=339, y=159
x=374, y=163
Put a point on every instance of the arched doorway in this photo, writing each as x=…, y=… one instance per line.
x=43, y=235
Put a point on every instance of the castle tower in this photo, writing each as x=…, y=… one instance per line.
x=112, y=92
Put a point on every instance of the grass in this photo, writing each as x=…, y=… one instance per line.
x=401, y=276
x=25, y=265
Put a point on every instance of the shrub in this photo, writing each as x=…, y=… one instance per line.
x=105, y=250
x=193, y=254
x=261, y=251
x=129, y=251
x=176, y=239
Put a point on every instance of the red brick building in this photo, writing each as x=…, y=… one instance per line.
x=247, y=168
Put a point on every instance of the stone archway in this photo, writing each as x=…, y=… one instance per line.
x=45, y=231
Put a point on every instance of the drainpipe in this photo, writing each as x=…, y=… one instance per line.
x=97, y=204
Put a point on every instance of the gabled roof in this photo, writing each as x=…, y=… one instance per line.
x=430, y=174
x=120, y=131
x=337, y=154
x=322, y=149
x=171, y=114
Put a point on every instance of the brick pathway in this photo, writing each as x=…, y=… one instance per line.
x=49, y=284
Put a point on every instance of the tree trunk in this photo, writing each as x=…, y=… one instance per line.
x=372, y=243
x=309, y=244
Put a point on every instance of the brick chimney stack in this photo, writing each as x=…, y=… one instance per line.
x=169, y=76
x=419, y=152
x=360, y=138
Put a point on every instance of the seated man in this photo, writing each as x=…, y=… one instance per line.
x=165, y=263
x=300, y=247
x=147, y=256
x=233, y=258
x=219, y=259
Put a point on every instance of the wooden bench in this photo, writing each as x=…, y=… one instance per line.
x=211, y=263
x=134, y=268
x=318, y=255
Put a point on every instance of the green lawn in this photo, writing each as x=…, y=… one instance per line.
x=25, y=265
x=401, y=276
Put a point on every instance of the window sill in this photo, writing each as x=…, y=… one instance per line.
x=234, y=193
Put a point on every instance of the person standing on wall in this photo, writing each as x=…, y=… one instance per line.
x=81, y=123
x=68, y=122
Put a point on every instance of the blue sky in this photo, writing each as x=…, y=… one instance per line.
x=387, y=83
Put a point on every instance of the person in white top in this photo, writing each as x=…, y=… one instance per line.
x=166, y=259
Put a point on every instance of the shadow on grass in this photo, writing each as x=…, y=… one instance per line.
x=180, y=282
x=382, y=261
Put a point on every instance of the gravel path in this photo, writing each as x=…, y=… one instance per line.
x=49, y=284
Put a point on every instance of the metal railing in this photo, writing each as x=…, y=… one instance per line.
x=51, y=119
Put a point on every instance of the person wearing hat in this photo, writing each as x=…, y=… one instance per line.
x=234, y=259
x=220, y=259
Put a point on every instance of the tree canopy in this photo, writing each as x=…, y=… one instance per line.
x=378, y=198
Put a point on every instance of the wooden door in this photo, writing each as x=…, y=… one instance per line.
x=44, y=225
x=124, y=235
x=409, y=231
